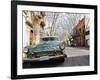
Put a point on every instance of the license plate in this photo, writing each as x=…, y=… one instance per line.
x=43, y=58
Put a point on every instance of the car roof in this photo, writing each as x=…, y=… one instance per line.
x=50, y=37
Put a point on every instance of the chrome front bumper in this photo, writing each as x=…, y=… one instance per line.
x=58, y=57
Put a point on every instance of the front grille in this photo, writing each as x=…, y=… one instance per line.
x=50, y=53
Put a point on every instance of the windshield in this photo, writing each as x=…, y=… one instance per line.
x=49, y=39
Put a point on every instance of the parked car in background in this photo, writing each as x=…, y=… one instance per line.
x=49, y=48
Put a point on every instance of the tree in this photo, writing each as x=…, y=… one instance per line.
x=55, y=17
x=87, y=20
x=73, y=19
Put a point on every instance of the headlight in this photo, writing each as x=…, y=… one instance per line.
x=25, y=50
x=32, y=52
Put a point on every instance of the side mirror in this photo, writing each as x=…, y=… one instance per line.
x=62, y=46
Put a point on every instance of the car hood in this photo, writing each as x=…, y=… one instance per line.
x=47, y=46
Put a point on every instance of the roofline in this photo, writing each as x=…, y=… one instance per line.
x=48, y=36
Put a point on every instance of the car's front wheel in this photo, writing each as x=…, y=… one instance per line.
x=62, y=60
